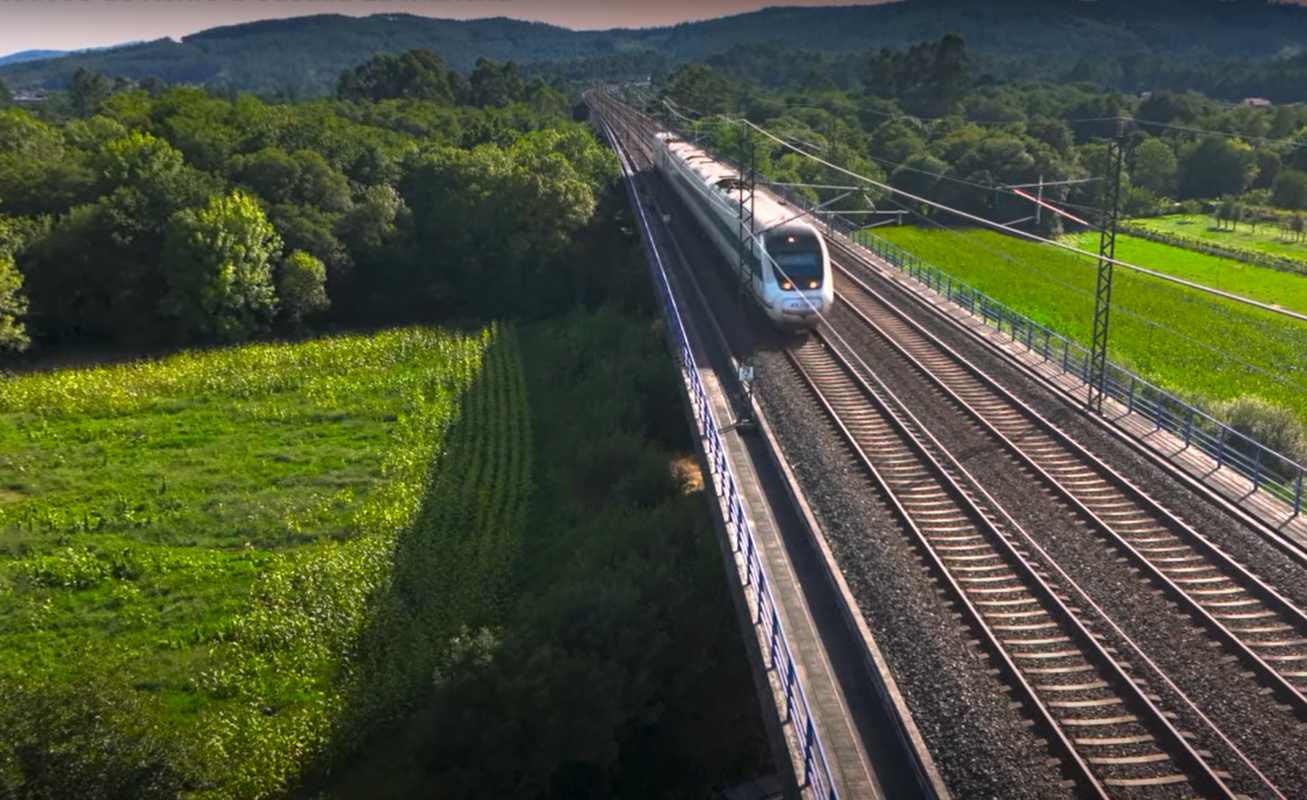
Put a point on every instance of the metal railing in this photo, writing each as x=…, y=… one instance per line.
x=1267, y=470
x=753, y=577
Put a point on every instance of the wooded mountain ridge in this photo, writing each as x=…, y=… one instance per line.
x=304, y=55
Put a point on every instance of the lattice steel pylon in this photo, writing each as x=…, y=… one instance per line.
x=1103, y=292
x=746, y=186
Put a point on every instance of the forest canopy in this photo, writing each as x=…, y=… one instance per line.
x=179, y=216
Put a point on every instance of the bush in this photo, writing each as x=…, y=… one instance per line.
x=1273, y=426
x=106, y=746
x=301, y=287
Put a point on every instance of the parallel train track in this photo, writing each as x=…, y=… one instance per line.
x=1098, y=713
x=1107, y=730
x=1247, y=615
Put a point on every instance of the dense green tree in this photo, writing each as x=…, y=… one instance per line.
x=76, y=281
x=270, y=172
x=1290, y=190
x=1167, y=107
x=13, y=306
x=87, y=91
x=218, y=265
x=308, y=228
x=39, y=173
x=1053, y=132
x=1216, y=166
x=6, y=96
x=13, y=302
x=302, y=177
x=1155, y=166
x=898, y=139
x=137, y=158
x=1269, y=164
x=199, y=125
x=700, y=89
x=417, y=74
x=493, y=84
x=919, y=175
x=927, y=78
x=491, y=221
x=301, y=288
x=372, y=222
x=93, y=133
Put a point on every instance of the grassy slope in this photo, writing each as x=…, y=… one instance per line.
x=235, y=537
x=1266, y=239
x=1199, y=346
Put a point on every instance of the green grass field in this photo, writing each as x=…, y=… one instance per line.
x=1196, y=345
x=1259, y=283
x=226, y=566
x=1267, y=239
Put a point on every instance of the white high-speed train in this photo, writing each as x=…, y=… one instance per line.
x=789, y=272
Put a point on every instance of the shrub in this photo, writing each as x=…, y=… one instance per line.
x=1272, y=425
x=301, y=287
x=106, y=745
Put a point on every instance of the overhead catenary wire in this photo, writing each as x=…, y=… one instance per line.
x=1142, y=319
x=1026, y=234
x=1292, y=144
x=1117, y=305
x=986, y=187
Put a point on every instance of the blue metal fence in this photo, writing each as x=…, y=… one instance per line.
x=1268, y=470
x=754, y=581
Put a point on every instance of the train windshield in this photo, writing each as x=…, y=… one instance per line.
x=797, y=258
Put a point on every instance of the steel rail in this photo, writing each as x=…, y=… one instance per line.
x=1036, y=422
x=1066, y=578
x=815, y=765
x=848, y=435
x=917, y=439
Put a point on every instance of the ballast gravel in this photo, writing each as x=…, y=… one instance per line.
x=1216, y=682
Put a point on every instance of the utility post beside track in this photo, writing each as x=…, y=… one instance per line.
x=1106, y=257
x=747, y=184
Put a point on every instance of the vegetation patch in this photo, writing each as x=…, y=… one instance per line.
x=1283, y=240
x=617, y=670
x=1259, y=283
x=1199, y=346
x=226, y=567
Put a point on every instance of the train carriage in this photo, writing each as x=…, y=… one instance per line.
x=787, y=269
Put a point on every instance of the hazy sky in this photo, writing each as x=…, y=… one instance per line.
x=73, y=24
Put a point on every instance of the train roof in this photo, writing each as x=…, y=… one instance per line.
x=768, y=210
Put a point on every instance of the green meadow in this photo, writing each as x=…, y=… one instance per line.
x=1266, y=239
x=222, y=568
x=1200, y=346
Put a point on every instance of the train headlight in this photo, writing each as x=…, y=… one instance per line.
x=812, y=284
x=786, y=285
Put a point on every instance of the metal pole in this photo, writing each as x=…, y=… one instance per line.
x=1103, y=290
x=1040, y=205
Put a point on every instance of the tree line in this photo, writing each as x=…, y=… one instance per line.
x=145, y=216
x=928, y=121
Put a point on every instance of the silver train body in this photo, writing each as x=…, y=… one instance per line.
x=789, y=272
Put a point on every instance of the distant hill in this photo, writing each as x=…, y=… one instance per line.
x=306, y=54
x=30, y=55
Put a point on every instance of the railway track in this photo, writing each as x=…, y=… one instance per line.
x=1248, y=616
x=1100, y=715
x=1112, y=738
